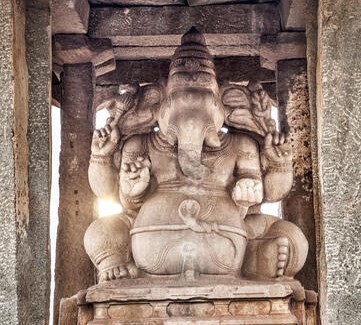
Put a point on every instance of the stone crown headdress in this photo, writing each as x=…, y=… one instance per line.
x=192, y=64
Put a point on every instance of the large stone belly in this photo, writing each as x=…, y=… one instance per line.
x=165, y=242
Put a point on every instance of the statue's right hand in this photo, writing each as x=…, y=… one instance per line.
x=105, y=140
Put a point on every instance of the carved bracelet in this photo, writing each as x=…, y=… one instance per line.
x=249, y=173
x=101, y=160
x=279, y=167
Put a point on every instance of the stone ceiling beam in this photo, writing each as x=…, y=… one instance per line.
x=70, y=16
x=138, y=2
x=155, y=47
x=78, y=49
x=211, y=2
x=271, y=48
x=119, y=22
x=146, y=71
x=283, y=46
x=292, y=15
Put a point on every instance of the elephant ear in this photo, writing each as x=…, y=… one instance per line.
x=135, y=108
x=248, y=108
x=143, y=116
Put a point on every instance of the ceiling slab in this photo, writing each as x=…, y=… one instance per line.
x=176, y=20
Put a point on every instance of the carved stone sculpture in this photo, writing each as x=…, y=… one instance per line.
x=190, y=191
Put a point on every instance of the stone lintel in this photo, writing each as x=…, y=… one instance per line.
x=107, y=22
x=283, y=46
x=77, y=49
x=292, y=15
x=271, y=48
x=213, y=2
x=234, y=69
x=138, y=2
x=207, y=2
x=156, y=47
x=70, y=16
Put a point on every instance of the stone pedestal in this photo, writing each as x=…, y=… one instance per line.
x=204, y=301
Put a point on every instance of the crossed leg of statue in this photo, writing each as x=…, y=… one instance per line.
x=276, y=248
x=107, y=242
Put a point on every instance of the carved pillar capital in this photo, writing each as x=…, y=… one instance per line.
x=77, y=49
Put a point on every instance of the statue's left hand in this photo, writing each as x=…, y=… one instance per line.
x=276, y=150
x=135, y=177
x=247, y=192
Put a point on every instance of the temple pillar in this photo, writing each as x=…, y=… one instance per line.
x=74, y=270
x=294, y=111
x=339, y=151
x=24, y=162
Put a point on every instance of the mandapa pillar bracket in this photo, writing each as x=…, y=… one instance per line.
x=77, y=49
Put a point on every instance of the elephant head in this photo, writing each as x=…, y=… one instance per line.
x=192, y=114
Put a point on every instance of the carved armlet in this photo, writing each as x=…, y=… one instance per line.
x=247, y=155
x=249, y=173
x=134, y=200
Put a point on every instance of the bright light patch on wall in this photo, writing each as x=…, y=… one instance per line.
x=54, y=197
x=274, y=115
x=273, y=209
x=224, y=129
x=122, y=91
x=156, y=129
x=101, y=118
x=108, y=208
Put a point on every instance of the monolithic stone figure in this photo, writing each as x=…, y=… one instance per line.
x=188, y=189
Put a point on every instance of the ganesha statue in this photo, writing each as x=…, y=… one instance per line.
x=191, y=162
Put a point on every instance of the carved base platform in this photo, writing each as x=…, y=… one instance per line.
x=205, y=301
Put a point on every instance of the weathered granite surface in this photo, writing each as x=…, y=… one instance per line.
x=24, y=166
x=339, y=141
x=8, y=237
x=74, y=270
x=38, y=57
x=295, y=119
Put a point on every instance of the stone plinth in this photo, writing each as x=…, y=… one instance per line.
x=203, y=301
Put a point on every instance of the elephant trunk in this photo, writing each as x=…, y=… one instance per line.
x=190, y=146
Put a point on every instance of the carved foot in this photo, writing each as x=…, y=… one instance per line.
x=112, y=273
x=266, y=258
x=278, y=249
x=116, y=270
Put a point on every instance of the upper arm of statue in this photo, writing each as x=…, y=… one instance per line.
x=277, y=163
x=248, y=190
